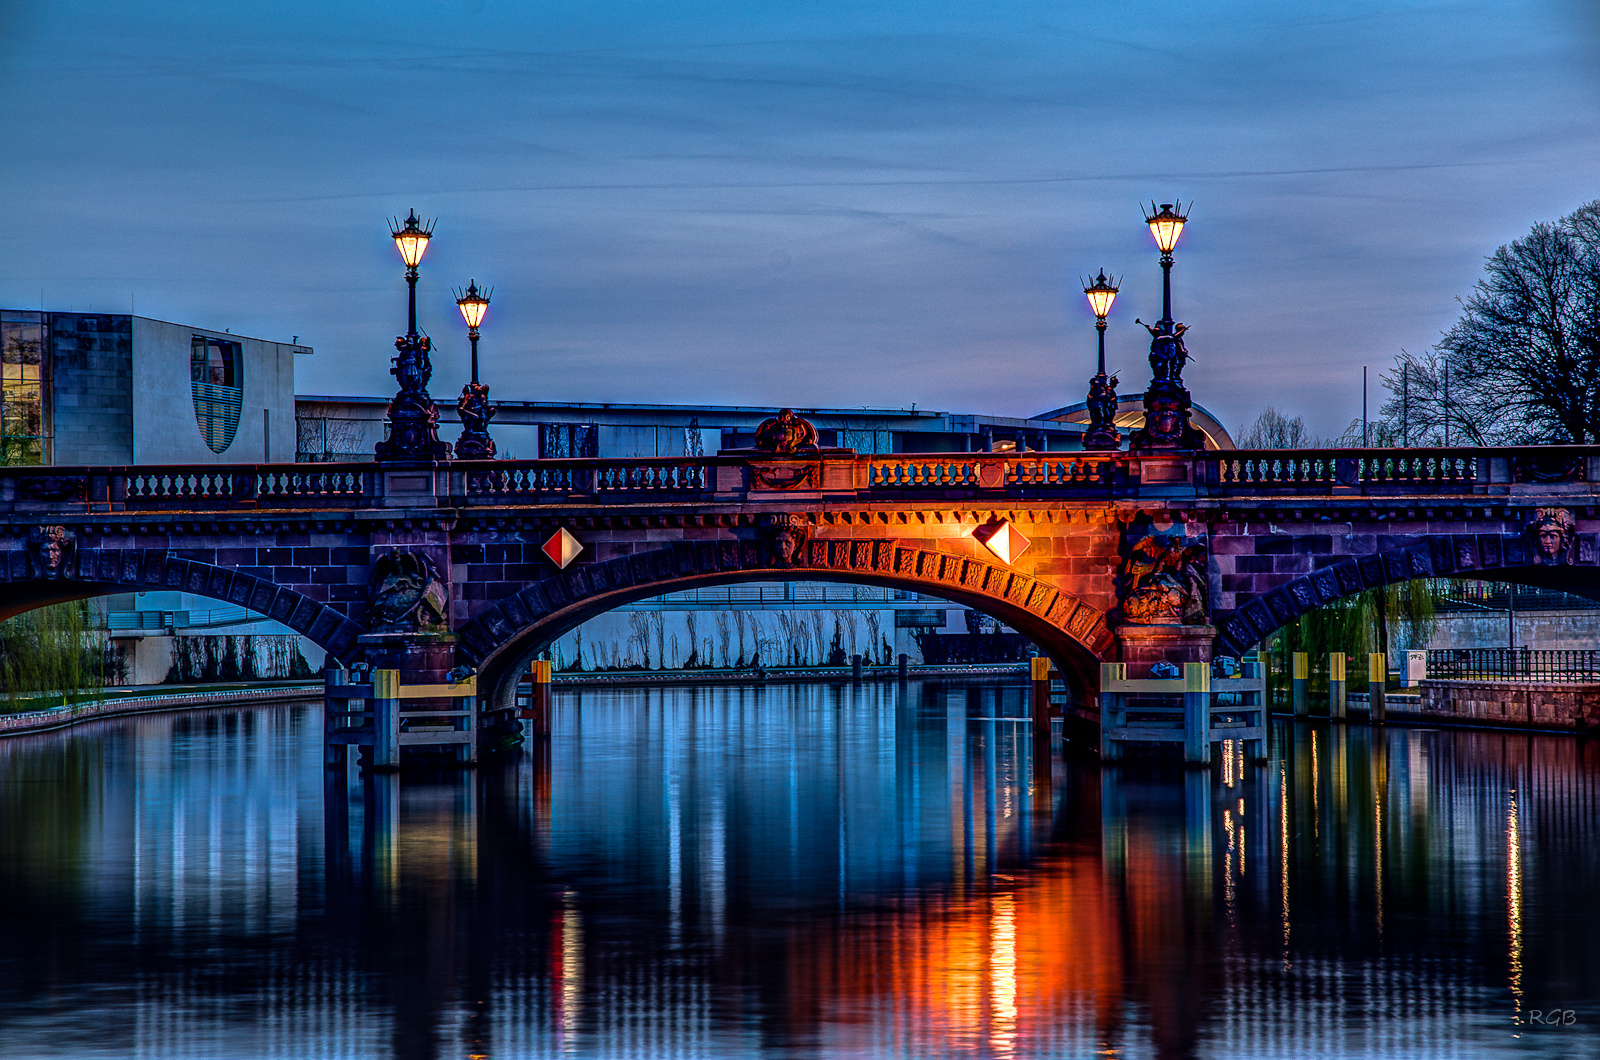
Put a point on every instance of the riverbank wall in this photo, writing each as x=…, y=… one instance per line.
x=187, y=699
x=1541, y=705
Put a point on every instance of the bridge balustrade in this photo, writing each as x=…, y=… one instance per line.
x=1425, y=470
x=1225, y=473
x=529, y=478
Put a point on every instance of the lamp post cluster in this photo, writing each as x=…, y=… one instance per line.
x=1166, y=402
x=412, y=416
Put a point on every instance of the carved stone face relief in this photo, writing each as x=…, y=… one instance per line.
x=50, y=551
x=786, y=538
x=1549, y=536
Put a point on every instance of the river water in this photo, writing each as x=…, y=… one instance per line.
x=795, y=871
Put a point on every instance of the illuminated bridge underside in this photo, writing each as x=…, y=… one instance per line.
x=1281, y=533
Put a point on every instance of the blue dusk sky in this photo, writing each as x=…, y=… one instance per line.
x=819, y=203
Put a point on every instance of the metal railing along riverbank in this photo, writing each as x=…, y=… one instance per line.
x=1576, y=666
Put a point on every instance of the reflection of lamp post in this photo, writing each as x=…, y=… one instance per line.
x=1102, y=403
x=474, y=407
x=413, y=417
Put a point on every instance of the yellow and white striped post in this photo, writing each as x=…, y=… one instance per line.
x=1197, y=713
x=385, y=719
x=1336, y=700
x=1113, y=709
x=1299, y=683
x=1039, y=667
x=1377, y=681
x=538, y=710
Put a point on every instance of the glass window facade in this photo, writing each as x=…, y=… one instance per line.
x=24, y=388
x=216, y=377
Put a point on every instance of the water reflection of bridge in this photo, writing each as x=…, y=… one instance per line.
x=732, y=871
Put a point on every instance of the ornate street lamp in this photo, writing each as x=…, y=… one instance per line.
x=1167, y=402
x=1102, y=404
x=1166, y=224
x=413, y=417
x=474, y=407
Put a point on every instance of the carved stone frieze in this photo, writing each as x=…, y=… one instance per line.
x=1163, y=577
x=406, y=594
x=785, y=433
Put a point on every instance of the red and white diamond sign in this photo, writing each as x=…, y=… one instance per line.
x=1003, y=540
x=562, y=548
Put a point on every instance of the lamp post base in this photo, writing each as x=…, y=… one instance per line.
x=1166, y=420
x=475, y=412
x=1102, y=437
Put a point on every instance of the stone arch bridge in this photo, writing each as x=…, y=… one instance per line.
x=1095, y=556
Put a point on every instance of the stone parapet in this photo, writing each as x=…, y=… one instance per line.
x=1512, y=704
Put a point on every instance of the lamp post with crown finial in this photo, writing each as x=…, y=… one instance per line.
x=412, y=415
x=474, y=407
x=1102, y=403
x=1167, y=402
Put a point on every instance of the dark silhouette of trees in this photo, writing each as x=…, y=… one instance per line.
x=1522, y=364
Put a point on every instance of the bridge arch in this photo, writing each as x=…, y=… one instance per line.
x=502, y=638
x=1493, y=557
x=99, y=572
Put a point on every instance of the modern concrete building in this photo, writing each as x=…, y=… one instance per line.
x=109, y=388
x=112, y=388
x=347, y=428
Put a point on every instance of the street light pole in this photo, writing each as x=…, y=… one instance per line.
x=1166, y=403
x=1102, y=433
x=413, y=417
x=473, y=406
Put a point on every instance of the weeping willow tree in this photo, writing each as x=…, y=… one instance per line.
x=50, y=654
x=1371, y=621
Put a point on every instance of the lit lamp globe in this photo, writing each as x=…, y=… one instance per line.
x=412, y=239
x=1101, y=294
x=1166, y=224
x=473, y=304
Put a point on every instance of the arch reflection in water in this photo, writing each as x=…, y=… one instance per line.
x=869, y=871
